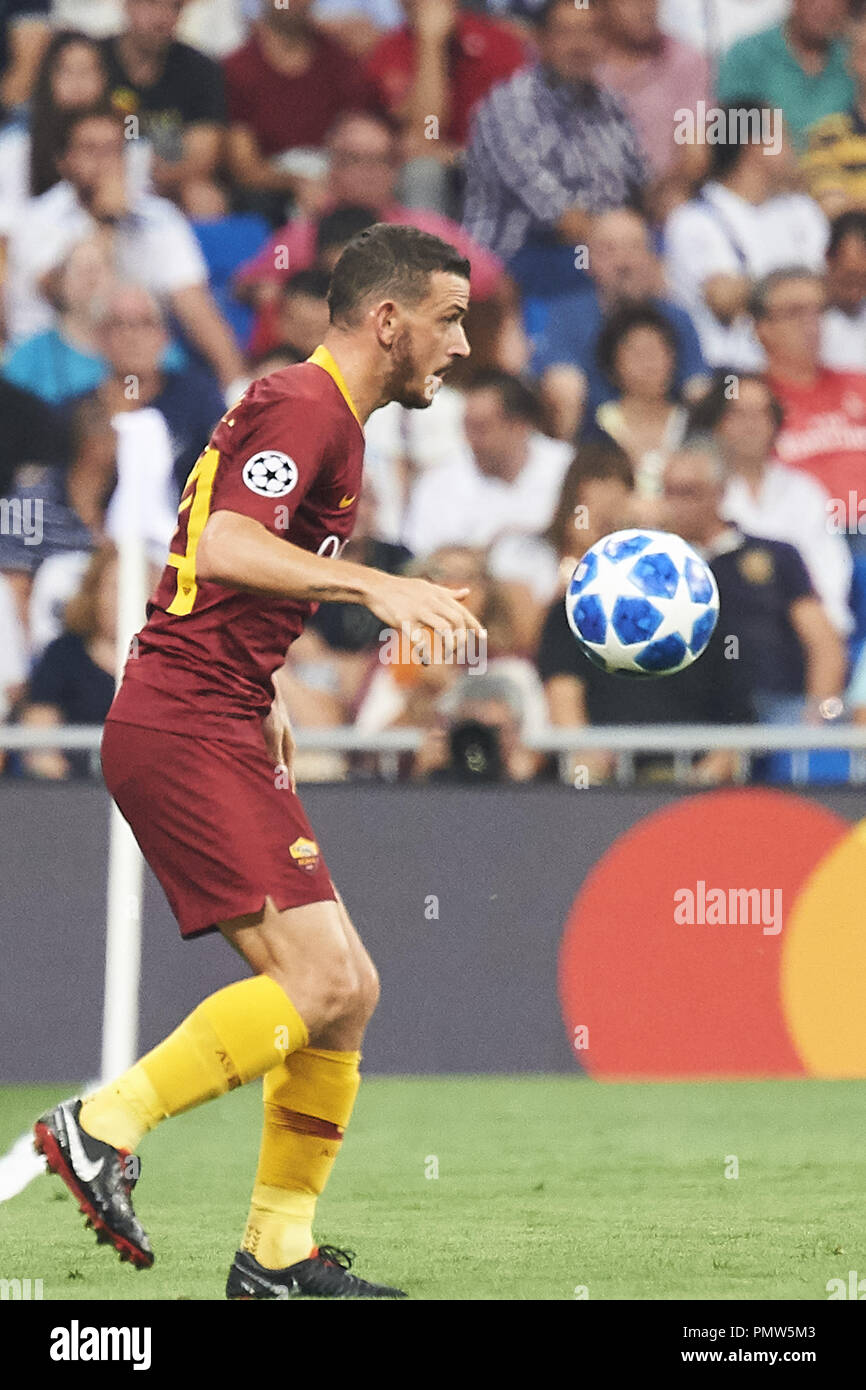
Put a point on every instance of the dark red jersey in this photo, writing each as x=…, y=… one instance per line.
x=289, y=455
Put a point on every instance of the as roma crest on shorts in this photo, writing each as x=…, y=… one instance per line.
x=305, y=854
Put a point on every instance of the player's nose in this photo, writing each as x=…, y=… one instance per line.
x=461, y=348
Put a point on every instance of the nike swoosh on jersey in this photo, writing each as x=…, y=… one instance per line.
x=347, y=501
x=86, y=1168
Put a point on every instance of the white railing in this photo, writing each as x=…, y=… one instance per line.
x=631, y=738
x=625, y=743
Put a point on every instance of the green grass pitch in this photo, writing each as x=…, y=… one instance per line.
x=546, y=1186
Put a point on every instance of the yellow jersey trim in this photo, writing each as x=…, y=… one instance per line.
x=202, y=480
x=324, y=359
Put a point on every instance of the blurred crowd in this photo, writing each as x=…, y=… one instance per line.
x=664, y=205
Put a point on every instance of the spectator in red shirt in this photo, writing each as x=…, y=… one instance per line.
x=363, y=173
x=430, y=74
x=824, y=430
x=284, y=89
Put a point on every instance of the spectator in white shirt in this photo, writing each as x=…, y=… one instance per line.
x=768, y=499
x=152, y=243
x=214, y=26
x=714, y=26
x=97, y=17
x=844, y=330
x=400, y=446
x=743, y=224
x=506, y=478
x=218, y=27
x=71, y=77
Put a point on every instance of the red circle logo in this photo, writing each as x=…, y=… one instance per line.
x=677, y=946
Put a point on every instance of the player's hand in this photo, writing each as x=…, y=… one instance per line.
x=410, y=605
x=279, y=739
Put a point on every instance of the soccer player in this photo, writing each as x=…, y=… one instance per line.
x=195, y=752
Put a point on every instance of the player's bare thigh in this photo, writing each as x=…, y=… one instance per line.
x=315, y=954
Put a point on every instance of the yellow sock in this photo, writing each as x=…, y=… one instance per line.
x=232, y=1037
x=308, y=1101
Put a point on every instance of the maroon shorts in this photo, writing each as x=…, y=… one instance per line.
x=214, y=823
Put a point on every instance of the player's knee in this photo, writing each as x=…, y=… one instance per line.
x=353, y=992
x=338, y=989
x=369, y=988
x=362, y=1005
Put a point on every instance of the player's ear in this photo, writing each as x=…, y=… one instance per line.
x=386, y=317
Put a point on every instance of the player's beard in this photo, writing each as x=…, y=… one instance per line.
x=404, y=381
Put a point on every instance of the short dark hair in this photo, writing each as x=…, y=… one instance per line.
x=100, y=111
x=313, y=283
x=389, y=259
x=337, y=227
x=759, y=298
x=708, y=413
x=851, y=223
x=519, y=401
x=623, y=321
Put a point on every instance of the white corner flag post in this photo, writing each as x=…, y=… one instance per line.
x=21, y=1164
x=125, y=864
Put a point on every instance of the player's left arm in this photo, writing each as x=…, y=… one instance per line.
x=823, y=649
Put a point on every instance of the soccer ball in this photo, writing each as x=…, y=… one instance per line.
x=642, y=603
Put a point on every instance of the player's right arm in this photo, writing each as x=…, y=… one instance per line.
x=241, y=553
